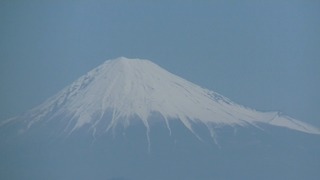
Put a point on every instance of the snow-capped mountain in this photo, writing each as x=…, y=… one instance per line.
x=130, y=119
x=118, y=90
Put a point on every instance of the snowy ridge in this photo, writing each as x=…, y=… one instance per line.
x=127, y=88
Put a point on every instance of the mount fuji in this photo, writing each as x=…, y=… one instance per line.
x=131, y=119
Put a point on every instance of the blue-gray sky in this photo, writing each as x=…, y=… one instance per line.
x=262, y=54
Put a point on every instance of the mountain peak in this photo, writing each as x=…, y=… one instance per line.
x=123, y=89
x=124, y=61
x=127, y=60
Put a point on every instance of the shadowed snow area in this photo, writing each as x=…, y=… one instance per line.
x=129, y=88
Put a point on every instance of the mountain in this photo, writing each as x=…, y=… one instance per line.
x=128, y=115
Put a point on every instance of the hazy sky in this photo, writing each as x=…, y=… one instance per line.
x=265, y=55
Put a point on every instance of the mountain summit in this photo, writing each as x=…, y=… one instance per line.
x=123, y=89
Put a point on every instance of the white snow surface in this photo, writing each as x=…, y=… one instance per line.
x=135, y=88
